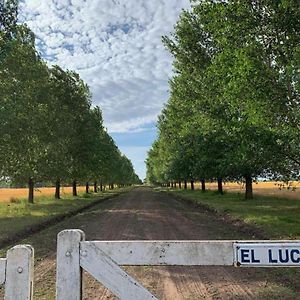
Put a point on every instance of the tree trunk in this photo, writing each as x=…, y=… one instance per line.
x=249, y=187
x=185, y=184
x=87, y=188
x=31, y=190
x=95, y=187
x=175, y=185
x=179, y=184
x=101, y=186
x=172, y=184
x=203, y=188
x=112, y=186
x=57, y=189
x=220, y=185
x=74, y=185
x=192, y=185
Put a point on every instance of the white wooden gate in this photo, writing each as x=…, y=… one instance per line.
x=16, y=273
x=102, y=259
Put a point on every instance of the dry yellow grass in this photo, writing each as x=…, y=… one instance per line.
x=7, y=194
x=261, y=188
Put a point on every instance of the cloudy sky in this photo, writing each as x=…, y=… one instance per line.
x=115, y=45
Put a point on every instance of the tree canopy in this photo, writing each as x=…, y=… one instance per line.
x=233, y=112
x=49, y=131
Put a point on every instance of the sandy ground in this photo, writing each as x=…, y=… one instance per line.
x=144, y=214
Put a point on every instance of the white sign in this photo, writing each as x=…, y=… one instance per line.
x=267, y=254
x=103, y=259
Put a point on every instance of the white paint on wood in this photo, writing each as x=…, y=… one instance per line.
x=2, y=270
x=106, y=271
x=102, y=259
x=68, y=271
x=267, y=254
x=183, y=253
x=19, y=273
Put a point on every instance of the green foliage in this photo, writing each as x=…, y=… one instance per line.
x=8, y=16
x=48, y=129
x=234, y=105
x=278, y=218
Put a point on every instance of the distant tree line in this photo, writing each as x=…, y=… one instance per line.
x=234, y=109
x=48, y=129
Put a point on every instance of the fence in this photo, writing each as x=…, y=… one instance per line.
x=16, y=273
x=102, y=259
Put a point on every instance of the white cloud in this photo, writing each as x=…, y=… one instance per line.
x=116, y=47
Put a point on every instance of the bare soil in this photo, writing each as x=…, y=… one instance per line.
x=144, y=214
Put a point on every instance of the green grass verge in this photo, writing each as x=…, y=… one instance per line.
x=278, y=218
x=17, y=218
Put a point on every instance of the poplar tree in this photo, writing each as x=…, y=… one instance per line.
x=233, y=113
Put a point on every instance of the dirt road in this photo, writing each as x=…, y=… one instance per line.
x=144, y=214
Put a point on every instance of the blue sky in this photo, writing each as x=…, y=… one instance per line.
x=115, y=46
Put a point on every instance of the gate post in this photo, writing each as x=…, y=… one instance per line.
x=68, y=270
x=19, y=273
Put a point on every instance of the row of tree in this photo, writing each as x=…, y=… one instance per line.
x=48, y=129
x=234, y=109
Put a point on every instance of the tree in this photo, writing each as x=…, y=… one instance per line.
x=23, y=78
x=234, y=106
x=48, y=129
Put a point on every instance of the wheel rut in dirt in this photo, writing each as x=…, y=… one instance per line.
x=145, y=214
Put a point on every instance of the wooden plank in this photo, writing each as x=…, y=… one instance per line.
x=183, y=253
x=19, y=273
x=68, y=271
x=106, y=271
x=2, y=270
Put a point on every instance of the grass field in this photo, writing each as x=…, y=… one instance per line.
x=20, y=216
x=273, y=217
x=273, y=189
x=277, y=217
x=7, y=194
x=260, y=188
x=144, y=215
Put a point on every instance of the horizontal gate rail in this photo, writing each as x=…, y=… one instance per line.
x=171, y=253
x=103, y=259
x=106, y=271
